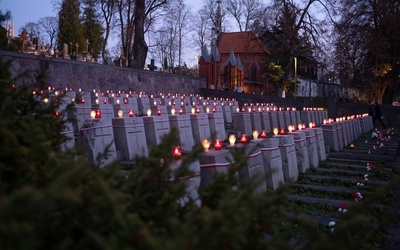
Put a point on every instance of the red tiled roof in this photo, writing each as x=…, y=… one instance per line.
x=240, y=42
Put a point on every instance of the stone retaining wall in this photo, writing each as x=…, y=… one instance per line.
x=74, y=74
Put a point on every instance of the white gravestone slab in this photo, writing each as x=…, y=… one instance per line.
x=242, y=123
x=345, y=133
x=293, y=118
x=289, y=158
x=340, y=134
x=253, y=169
x=226, y=110
x=320, y=143
x=98, y=136
x=256, y=121
x=68, y=132
x=331, y=136
x=300, y=141
x=217, y=125
x=143, y=105
x=272, y=161
x=312, y=148
x=184, y=126
x=107, y=111
x=192, y=181
x=273, y=119
x=306, y=116
x=281, y=119
x=265, y=124
x=288, y=119
x=200, y=127
x=298, y=118
x=79, y=115
x=155, y=128
x=130, y=137
x=214, y=162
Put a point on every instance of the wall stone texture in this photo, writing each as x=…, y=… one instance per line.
x=62, y=73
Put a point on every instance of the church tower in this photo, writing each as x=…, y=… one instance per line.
x=210, y=63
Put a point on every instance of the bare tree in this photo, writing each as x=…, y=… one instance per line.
x=244, y=12
x=32, y=28
x=107, y=9
x=298, y=21
x=368, y=46
x=49, y=26
x=126, y=16
x=202, y=29
x=143, y=10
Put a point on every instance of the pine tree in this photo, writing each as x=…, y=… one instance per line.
x=93, y=28
x=71, y=31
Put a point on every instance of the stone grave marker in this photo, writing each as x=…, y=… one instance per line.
x=300, y=141
x=272, y=162
x=265, y=123
x=184, y=126
x=96, y=136
x=256, y=121
x=281, y=120
x=331, y=136
x=200, y=127
x=253, y=169
x=212, y=162
x=130, y=137
x=242, y=123
x=217, y=125
x=320, y=143
x=289, y=158
x=312, y=148
x=273, y=118
x=155, y=128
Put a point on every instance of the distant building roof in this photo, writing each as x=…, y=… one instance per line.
x=240, y=42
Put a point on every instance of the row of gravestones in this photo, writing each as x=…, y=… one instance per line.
x=283, y=156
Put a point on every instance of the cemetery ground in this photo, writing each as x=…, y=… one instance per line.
x=327, y=197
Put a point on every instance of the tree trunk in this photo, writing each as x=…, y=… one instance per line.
x=139, y=45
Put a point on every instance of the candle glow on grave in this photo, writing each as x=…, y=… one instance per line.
x=206, y=144
x=255, y=134
x=275, y=131
x=177, y=152
x=232, y=139
x=263, y=134
x=218, y=144
x=120, y=113
x=243, y=138
x=149, y=112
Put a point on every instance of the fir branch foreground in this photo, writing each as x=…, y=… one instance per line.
x=51, y=200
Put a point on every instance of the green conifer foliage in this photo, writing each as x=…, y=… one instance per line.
x=54, y=200
x=93, y=28
x=70, y=26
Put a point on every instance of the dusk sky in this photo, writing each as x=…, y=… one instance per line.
x=24, y=11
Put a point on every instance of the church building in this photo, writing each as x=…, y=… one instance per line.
x=235, y=62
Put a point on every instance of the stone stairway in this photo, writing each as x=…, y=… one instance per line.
x=320, y=192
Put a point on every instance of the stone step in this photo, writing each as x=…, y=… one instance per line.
x=319, y=219
x=338, y=165
x=328, y=188
x=351, y=180
x=365, y=157
x=309, y=199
